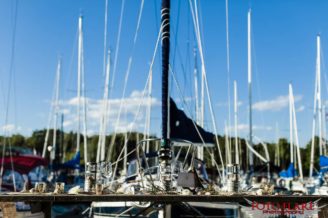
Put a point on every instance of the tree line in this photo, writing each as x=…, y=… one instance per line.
x=66, y=144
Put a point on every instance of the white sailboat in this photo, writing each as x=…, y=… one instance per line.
x=289, y=179
x=317, y=110
x=170, y=171
x=314, y=182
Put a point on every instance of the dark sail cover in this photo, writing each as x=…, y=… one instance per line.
x=182, y=127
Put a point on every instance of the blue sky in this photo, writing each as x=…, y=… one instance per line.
x=284, y=48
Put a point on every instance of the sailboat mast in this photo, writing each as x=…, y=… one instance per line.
x=165, y=153
x=63, y=147
x=277, y=154
x=165, y=70
x=291, y=128
x=316, y=100
x=227, y=144
x=103, y=121
x=324, y=131
x=236, y=122
x=85, y=136
x=196, y=86
x=150, y=87
x=199, y=114
x=54, y=137
x=319, y=93
x=251, y=161
x=299, y=160
x=79, y=71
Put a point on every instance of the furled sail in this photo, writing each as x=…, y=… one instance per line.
x=182, y=127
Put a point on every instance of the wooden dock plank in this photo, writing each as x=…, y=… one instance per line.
x=158, y=198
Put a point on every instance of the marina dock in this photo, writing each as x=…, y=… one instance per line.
x=45, y=201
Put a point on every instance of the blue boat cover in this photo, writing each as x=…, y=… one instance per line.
x=289, y=173
x=73, y=163
x=323, y=161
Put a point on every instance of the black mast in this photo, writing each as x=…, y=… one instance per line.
x=165, y=25
x=165, y=151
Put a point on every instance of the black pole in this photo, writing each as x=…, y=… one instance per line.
x=165, y=153
x=165, y=25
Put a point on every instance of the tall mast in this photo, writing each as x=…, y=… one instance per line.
x=291, y=128
x=324, y=131
x=54, y=137
x=317, y=96
x=85, y=136
x=165, y=152
x=80, y=92
x=79, y=85
x=199, y=114
x=103, y=120
x=236, y=121
x=63, y=148
x=196, y=87
x=299, y=160
x=251, y=161
x=150, y=87
x=319, y=93
x=227, y=145
x=277, y=153
x=165, y=69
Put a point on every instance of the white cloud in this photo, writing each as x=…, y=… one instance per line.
x=245, y=127
x=67, y=123
x=185, y=99
x=300, y=108
x=275, y=104
x=10, y=128
x=129, y=112
x=225, y=104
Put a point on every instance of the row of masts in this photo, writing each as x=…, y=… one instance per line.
x=199, y=109
x=81, y=102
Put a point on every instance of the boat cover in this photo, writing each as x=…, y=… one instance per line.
x=182, y=127
x=289, y=173
x=23, y=164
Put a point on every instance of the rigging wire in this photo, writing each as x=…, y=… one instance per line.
x=84, y=107
x=7, y=100
x=257, y=75
x=324, y=70
x=133, y=122
x=121, y=103
x=127, y=74
x=193, y=122
x=118, y=42
x=72, y=59
x=199, y=42
x=50, y=116
x=176, y=35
